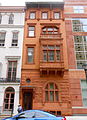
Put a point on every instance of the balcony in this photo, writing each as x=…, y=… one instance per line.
x=51, y=68
x=16, y=80
x=50, y=36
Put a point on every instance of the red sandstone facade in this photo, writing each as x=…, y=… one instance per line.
x=51, y=78
x=45, y=76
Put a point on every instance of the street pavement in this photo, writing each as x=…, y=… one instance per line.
x=76, y=117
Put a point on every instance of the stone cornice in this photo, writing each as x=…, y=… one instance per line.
x=11, y=26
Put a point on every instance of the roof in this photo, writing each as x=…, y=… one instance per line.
x=44, y=5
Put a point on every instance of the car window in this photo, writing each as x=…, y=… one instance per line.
x=27, y=115
x=39, y=115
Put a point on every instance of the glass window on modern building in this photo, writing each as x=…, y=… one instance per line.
x=31, y=31
x=9, y=99
x=12, y=70
x=51, y=93
x=15, y=39
x=78, y=9
x=30, y=54
x=0, y=18
x=51, y=53
x=84, y=92
x=2, y=38
x=79, y=25
x=11, y=19
x=80, y=43
x=32, y=15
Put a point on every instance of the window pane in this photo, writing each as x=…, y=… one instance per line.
x=31, y=31
x=56, y=95
x=30, y=55
x=32, y=15
x=44, y=15
x=56, y=15
x=50, y=55
x=51, y=86
x=57, y=55
x=51, y=96
x=45, y=55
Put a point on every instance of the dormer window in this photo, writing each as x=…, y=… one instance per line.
x=44, y=15
x=11, y=19
x=32, y=15
x=50, y=30
x=56, y=15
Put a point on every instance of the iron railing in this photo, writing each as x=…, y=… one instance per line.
x=10, y=80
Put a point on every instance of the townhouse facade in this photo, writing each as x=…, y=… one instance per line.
x=76, y=35
x=11, y=40
x=44, y=80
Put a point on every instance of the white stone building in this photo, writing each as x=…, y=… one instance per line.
x=11, y=41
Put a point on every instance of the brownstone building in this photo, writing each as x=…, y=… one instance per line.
x=76, y=36
x=54, y=51
x=45, y=76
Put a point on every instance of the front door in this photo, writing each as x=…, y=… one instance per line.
x=27, y=100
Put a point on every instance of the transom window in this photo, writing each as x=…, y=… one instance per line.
x=56, y=15
x=51, y=92
x=12, y=69
x=0, y=18
x=50, y=30
x=78, y=9
x=31, y=31
x=44, y=15
x=80, y=43
x=9, y=98
x=11, y=19
x=30, y=54
x=15, y=39
x=79, y=25
x=32, y=15
x=2, y=38
x=51, y=53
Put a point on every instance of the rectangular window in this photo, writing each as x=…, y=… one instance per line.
x=84, y=92
x=2, y=38
x=56, y=15
x=15, y=39
x=44, y=15
x=51, y=53
x=78, y=9
x=12, y=69
x=79, y=25
x=80, y=43
x=31, y=31
x=32, y=15
x=31, y=55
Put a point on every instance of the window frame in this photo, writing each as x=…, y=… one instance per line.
x=55, y=53
x=33, y=54
x=78, y=9
x=54, y=90
x=44, y=12
x=31, y=30
x=2, y=44
x=14, y=39
x=11, y=19
x=54, y=15
x=12, y=78
x=9, y=98
x=34, y=15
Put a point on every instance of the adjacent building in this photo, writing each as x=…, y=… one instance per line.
x=45, y=76
x=11, y=40
x=76, y=36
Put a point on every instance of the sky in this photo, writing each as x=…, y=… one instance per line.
x=22, y=2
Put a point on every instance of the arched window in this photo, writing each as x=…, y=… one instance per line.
x=51, y=92
x=11, y=19
x=9, y=98
x=50, y=30
x=0, y=18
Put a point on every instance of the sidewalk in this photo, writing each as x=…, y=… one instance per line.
x=76, y=117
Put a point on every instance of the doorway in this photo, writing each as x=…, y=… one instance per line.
x=27, y=100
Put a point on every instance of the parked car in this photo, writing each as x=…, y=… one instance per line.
x=34, y=115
